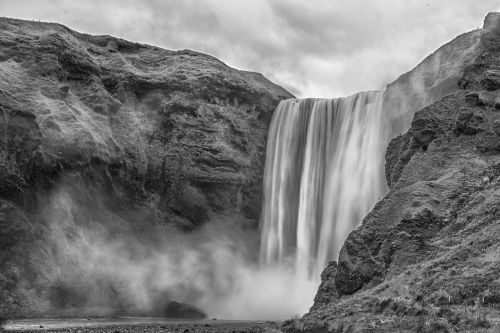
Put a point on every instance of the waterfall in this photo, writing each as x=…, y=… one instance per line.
x=324, y=172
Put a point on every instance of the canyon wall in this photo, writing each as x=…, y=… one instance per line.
x=133, y=133
x=426, y=256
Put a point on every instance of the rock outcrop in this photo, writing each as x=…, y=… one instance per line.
x=168, y=137
x=436, y=76
x=327, y=291
x=151, y=118
x=426, y=257
x=183, y=311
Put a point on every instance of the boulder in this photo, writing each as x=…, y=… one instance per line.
x=468, y=122
x=472, y=98
x=183, y=311
x=491, y=79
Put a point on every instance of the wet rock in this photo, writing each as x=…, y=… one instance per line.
x=183, y=311
x=356, y=265
x=327, y=291
x=15, y=227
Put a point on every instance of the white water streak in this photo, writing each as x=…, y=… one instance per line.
x=324, y=172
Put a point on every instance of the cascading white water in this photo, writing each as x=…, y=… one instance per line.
x=324, y=172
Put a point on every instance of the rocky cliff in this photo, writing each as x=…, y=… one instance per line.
x=163, y=137
x=137, y=114
x=426, y=257
x=436, y=76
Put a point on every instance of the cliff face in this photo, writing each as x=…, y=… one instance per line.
x=436, y=76
x=426, y=257
x=167, y=137
x=146, y=119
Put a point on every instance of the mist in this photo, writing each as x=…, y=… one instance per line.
x=94, y=262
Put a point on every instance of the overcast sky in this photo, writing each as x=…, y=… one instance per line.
x=316, y=48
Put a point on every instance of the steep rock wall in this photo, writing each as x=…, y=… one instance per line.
x=144, y=116
x=425, y=258
x=155, y=136
x=436, y=76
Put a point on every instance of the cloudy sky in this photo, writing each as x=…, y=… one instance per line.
x=317, y=48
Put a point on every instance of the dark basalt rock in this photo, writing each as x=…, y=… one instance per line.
x=327, y=291
x=468, y=122
x=472, y=99
x=356, y=265
x=169, y=138
x=491, y=80
x=179, y=123
x=183, y=311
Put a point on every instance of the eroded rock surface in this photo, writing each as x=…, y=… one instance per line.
x=148, y=119
x=166, y=137
x=426, y=258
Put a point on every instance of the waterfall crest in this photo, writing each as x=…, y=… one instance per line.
x=324, y=172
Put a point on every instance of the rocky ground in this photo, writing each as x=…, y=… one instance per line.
x=426, y=259
x=146, y=326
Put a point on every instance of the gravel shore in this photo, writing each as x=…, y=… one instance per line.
x=140, y=325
